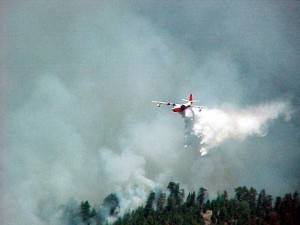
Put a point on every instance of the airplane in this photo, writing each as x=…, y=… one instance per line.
x=177, y=107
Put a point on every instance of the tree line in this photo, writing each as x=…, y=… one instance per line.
x=246, y=207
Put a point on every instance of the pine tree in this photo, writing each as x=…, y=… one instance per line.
x=111, y=203
x=206, y=206
x=261, y=204
x=85, y=210
x=242, y=193
x=149, y=204
x=296, y=203
x=278, y=203
x=171, y=202
x=176, y=195
x=231, y=210
x=224, y=196
x=190, y=201
x=93, y=213
x=201, y=197
x=252, y=200
x=161, y=202
x=223, y=215
x=243, y=213
x=287, y=210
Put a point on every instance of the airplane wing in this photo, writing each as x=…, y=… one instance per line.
x=163, y=103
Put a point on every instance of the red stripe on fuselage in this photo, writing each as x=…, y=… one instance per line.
x=180, y=108
x=177, y=110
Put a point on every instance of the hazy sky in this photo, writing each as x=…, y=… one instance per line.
x=77, y=80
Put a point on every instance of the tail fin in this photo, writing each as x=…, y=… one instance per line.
x=191, y=98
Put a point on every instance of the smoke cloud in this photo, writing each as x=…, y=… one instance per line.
x=130, y=173
x=76, y=85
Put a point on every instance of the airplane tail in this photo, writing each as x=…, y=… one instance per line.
x=190, y=99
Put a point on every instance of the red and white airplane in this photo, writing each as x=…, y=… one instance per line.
x=181, y=107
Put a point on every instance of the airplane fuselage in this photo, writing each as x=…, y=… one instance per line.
x=181, y=108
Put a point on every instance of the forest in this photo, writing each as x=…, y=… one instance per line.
x=176, y=207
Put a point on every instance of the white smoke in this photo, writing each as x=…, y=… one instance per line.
x=127, y=177
x=208, y=128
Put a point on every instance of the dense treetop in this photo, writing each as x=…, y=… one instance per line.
x=246, y=207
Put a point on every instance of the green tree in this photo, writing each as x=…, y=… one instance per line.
x=149, y=204
x=222, y=215
x=190, y=201
x=93, y=213
x=111, y=204
x=252, y=200
x=161, y=202
x=242, y=193
x=224, y=196
x=176, y=195
x=171, y=203
x=243, y=213
x=206, y=206
x=202, y=194
x=264, y=204
x=231, y=209
x=296, y=207
x=278, y=203
x=287, y=210
x=85, y=210
x=224, y=202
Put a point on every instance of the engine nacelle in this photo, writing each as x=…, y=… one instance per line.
x=158, y=105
